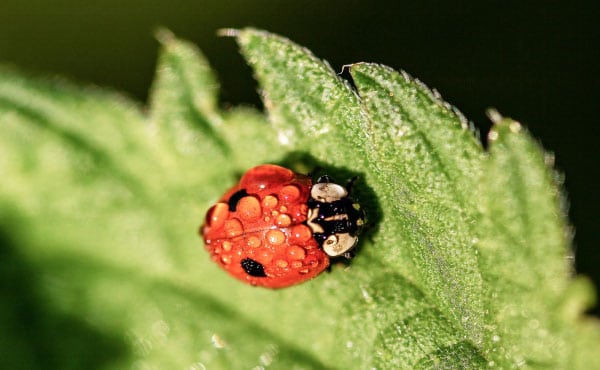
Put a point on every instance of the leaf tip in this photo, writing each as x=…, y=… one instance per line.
x=349, y=67
x=501, y=123
x=580, y=297
x=164, y=35
x=248, y=35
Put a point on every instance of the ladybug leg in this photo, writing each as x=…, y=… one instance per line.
x=349, y=255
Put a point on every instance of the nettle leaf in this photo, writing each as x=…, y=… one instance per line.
x=532, y=302
x=465, y=264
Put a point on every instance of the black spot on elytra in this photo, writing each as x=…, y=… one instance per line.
x=235, y=198
x=253, y=268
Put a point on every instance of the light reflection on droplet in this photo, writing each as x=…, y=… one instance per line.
x=217, y=341
x=534, y=324
x=268, y=356
x=197, y=366
x=283, y=138
x=142, y=346
x=515, y=127
x=160, y=329
x=366, y=295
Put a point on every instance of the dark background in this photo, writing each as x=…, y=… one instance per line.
x=537, y=62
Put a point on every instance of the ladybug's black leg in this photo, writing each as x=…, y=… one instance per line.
x=349, y=255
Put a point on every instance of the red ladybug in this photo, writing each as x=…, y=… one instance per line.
x=276, y=228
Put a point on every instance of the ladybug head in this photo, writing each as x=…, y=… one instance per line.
x=334, y=218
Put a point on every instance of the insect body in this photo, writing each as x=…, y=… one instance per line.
x=277, y=228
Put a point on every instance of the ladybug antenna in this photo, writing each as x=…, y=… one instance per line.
x=324, y=179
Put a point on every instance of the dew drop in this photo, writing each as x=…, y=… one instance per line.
x=301, y=233
x=275, y=237
x=283, y=220
x=197, y=366
x=160, y=329
x=264, y=256
x=295, y=252
x=217, y=341
x=289, y=193
x=267, y=357
x=249, y=208
x=253, y=242
x=226, y=259
x=217, y=215
x=270, y=201
x=233, y=228
x=366, y=296
x=534, y=324
x=281, y=263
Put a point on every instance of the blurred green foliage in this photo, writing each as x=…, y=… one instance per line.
x=535, y=60
x=101, y=200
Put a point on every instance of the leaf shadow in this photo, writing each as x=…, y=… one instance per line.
x=35, y=335
x=206, y=313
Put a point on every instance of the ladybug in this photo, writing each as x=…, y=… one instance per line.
x=277, y=228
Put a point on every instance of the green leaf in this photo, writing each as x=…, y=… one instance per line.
x=439, y=158
x=464, y=265
x=418, y=188
x=524, y=254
